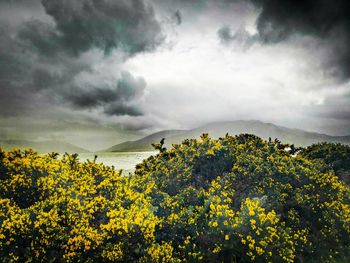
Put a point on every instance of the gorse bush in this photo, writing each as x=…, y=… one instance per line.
x=235, y=199
x=335, y=155
x=241, y=199
x=64, y=210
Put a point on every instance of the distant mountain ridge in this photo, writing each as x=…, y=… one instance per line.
x=42, y=146
x=141, y=144
x=219, y=129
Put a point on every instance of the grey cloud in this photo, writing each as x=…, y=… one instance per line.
x=48, y=55
x=11, y=1
x=79, y=25
x=326, y=20
x=129, y=87
x=15, y=69
x=188, y=4
x=177, y=16
x=240, y=37
x=92, y=98
x=339, y=115
x=334, y=113
x=40, y=60
x=119, y=99
x=122, y=109
x=106, y=24
x=116, y=98
x=335, y=107
x=225, y=34
x=41, y=38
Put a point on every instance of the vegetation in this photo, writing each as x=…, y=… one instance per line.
x=336, y=156
x=235, y=199
x=217, y=129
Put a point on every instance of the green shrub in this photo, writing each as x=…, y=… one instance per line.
x=203, y=188
x=335, y=155
x=235, y=199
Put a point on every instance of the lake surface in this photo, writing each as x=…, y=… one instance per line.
x=120, y=160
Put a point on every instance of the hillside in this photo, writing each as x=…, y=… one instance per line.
x=42, y=146
x=144, y=144
x=236, y=199
x=218, y=129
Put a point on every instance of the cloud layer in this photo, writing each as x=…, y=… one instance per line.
x=42, y=61
x=328, y=21
x=160, y=64
x=106, y=24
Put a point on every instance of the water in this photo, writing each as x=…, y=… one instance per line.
x=120, y=160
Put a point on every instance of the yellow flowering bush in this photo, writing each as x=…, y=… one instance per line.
x=234, y=199
x=243, y=199
x=66, y=210
x=335, y=155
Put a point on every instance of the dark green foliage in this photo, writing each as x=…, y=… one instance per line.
x=234, y=199
x=302, y=193
x=335, y=155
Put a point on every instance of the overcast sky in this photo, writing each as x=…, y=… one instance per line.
x=132, y=66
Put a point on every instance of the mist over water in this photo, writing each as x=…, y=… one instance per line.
x=125, y=161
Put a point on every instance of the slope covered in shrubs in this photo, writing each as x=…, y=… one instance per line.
x=235, y=199
x=335, y=155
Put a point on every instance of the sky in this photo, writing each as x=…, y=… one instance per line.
x=99, y=71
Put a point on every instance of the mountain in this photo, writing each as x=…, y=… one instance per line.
x=217, y=129
x=42, y=146
x=144, y=144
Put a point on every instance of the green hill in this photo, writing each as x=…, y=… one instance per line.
x=144, y=144
x=219, y=129
x=42, y=146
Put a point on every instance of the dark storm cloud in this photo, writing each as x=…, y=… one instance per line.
x=15, y=64
x=41, y=38
x=81, y=98
x=122, y=109
x=105, y=24
x=121, y=95
x=41, y=59
x=177, y=17
x=327, y=20
x=115, y=100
